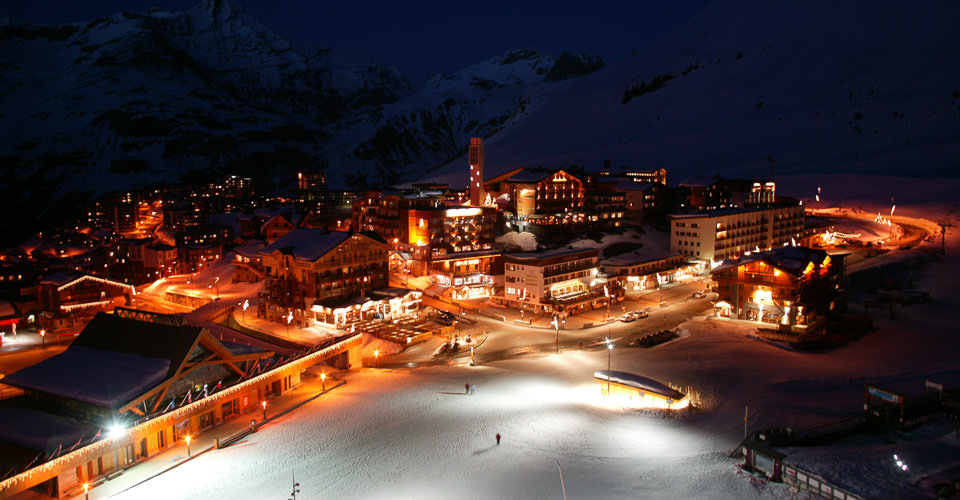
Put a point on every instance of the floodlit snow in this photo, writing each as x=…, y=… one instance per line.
x=414, y=434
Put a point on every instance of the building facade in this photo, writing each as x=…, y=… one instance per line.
x=793, y=287
x=310, y=272
x=561, y=282
x=720, y=234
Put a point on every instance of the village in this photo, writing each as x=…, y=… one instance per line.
x=166, y=317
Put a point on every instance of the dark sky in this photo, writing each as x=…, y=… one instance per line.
x=423, y=38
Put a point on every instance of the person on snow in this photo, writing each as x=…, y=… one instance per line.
x=466, y=388
x=498, y=439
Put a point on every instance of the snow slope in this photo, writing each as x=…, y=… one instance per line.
x=809, y=87
x=413, y=434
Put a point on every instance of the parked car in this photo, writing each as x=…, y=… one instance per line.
x=641, y=314
x=628, y=317
x=699, y=294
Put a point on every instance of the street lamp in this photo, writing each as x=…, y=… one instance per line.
x=901, y=468
x=243, y=314
x=609, y=360
x=323, y=382
x=188, y=445
x=264, y=405
x=376, y=356
x=43, y=337
x=86, y=490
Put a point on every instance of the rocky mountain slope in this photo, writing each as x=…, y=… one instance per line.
x=760, y=88
x=139, y=99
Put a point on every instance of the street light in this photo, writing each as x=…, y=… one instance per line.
x=376, y=356
x=264, y=405
x=243, y=314
x=43, y=337
x=188, y=445
x=86, y=490
x=901, y=468
x=323, y=382
x=609, y=360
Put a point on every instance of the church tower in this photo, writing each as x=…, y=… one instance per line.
x=475, y=188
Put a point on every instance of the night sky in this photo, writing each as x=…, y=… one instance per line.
x=425, y=37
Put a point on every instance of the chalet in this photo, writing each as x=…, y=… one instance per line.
x=69, y=300
x=311, y=272
x=793, y=287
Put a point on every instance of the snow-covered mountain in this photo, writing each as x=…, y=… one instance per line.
x=759, y=86
x=136, y=99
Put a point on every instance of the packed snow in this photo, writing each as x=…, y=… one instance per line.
x=414, y=434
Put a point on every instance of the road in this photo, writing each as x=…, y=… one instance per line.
x=509, y=340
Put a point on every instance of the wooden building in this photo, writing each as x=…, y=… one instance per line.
x=128, y=388
x=309, y=267
x=69, y=300
x=793, y=287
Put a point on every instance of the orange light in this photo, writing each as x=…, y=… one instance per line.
x=188, y=439
x=263, y=404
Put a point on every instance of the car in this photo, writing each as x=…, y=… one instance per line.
x=628, y=317
x=699, y=294
x=641, y=314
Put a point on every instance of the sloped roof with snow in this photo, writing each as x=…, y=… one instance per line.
x=640, y=382
x=97, y=377
x=111, y=362
x=791, y=260
x=39, y=431
x=307, y=244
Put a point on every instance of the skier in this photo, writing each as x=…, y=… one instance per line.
x=466, y=388
x=498, y=439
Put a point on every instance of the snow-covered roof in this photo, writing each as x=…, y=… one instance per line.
x=392, y=292
x=307, y=244
x=89, y=370
x=252, y=249
x=640, y=382
x=792, y=260
x=39, y=431
x=97, y=377
x=633, y=259
x=550, y=253
x=64, y=278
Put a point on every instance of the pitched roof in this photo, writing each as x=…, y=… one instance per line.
x=111, y=362
x=791, y=260
x=63, y=278
x=307, y=244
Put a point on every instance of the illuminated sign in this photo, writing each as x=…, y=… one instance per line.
x=884, y=395
x=464, y=212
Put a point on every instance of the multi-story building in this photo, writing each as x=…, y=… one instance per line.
x=184, y=216
x=454, y=245
x=136, y=261
x=563, y=282
x=719, y=234
x=634, y=273
x=314, y=275
x=643, y=201
x=794, y=287
x=551, y=203
x=126, y=214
